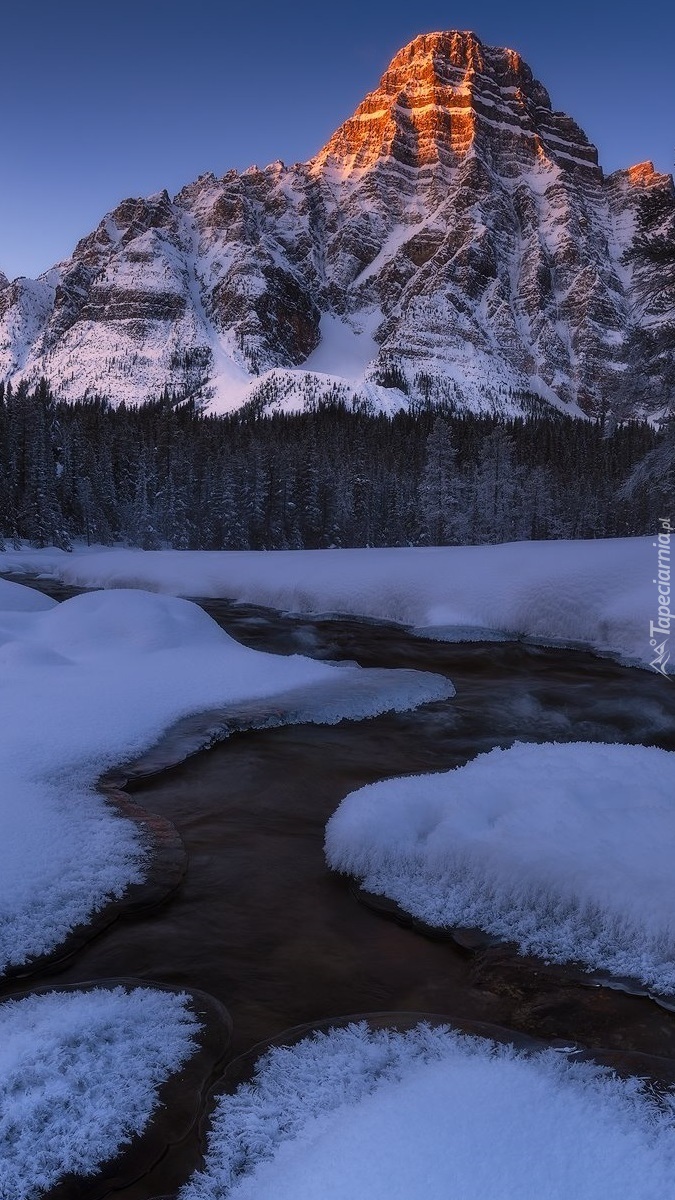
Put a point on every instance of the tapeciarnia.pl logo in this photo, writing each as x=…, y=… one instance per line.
x=661, y=627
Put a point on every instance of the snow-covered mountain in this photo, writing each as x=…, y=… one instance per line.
x=454, y=240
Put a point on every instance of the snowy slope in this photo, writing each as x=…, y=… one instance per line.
x=456, y=233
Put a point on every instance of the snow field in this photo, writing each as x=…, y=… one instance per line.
x=90, y=683
x=432, y=1113
x=79, y=1074
x=566, y=849
x=598, y=593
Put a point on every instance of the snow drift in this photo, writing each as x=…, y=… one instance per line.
x=567, y=850
x=391, y=1116
x=79, y=1075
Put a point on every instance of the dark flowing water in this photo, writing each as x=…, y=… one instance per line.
x=261, y=924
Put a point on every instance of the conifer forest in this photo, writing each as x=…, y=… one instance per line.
x=165, y=475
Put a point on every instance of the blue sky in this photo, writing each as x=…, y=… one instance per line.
x=102, y=101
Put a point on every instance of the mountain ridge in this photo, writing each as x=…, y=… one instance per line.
x=454, y=242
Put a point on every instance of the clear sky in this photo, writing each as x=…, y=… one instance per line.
x=102, y=101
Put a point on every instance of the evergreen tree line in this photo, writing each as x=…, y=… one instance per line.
x=166, y=475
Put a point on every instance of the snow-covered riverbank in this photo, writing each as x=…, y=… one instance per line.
x=94, y=681
x=599, y=594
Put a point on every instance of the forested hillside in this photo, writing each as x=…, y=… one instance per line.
x=166, y=475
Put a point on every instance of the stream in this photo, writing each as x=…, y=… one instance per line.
x=259, y=922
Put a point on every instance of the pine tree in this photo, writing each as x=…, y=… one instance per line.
x=443, y=492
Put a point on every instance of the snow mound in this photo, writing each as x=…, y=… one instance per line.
x=122, y=622
x=434, y=1114
x=567, y=850
x=79, y=1074
x=94, y=682
x=14, y=597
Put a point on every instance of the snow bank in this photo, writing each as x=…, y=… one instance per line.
x=434, y=1114
x=16, y=598
x=79, y=1074
x=92, y=682
x=597, y=593
x=566, y=849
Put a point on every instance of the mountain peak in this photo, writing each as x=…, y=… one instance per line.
x=463, y=46
x=446, y=95
x=455, y=242
x=455, y=47
x=643, y=175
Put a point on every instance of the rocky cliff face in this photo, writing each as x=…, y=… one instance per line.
x=454, y=241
